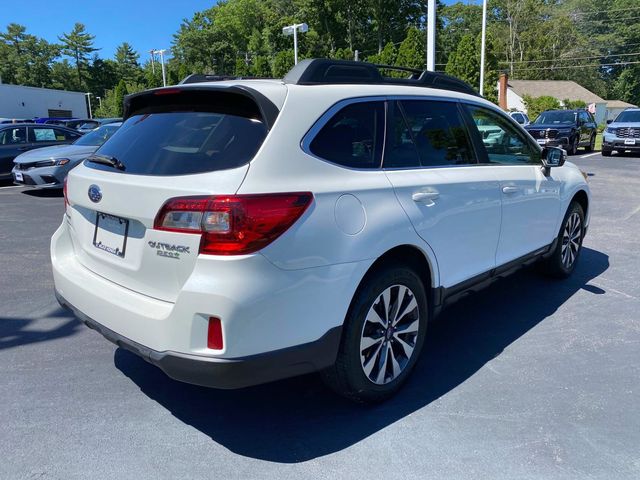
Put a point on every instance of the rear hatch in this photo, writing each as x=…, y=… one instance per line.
x=174, y=143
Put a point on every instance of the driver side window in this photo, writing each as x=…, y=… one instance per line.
x=502, y=142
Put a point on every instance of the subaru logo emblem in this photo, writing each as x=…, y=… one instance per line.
x=95, y=194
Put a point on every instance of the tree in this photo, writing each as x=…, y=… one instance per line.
x=127, y=67
x=78, y=44
x=411, y=51
x=537, y=105
x=464, y=62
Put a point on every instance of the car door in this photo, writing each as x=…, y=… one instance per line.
x=13, y=141
x=530, y=196
x=453, y=205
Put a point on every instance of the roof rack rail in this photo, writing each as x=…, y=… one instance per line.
x=200, y=77
x=323, y=71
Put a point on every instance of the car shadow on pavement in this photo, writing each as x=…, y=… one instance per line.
x=299, y=419
x=44, y=193
x=14, y=332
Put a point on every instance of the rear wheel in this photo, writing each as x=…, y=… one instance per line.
x=606, y=152
x=382, y=337
x=592, y=144
x=565, y=255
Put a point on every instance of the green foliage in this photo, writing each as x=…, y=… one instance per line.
x=127, y=67
x=537, y=105
x=78, y=44
x=412, y=50
x=573, y=104
x=282, y=63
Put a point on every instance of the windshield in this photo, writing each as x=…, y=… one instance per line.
x=631, y=116
x=556, y=118
x=97, y=137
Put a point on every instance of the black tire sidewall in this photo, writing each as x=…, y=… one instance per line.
x=556, y=257
x=367, y=294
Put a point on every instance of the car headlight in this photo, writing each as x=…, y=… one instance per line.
x=610, y=130
x=62, y=161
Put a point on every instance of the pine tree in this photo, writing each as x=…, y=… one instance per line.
x=412, y=50
x=127, y=66
x=78, y=44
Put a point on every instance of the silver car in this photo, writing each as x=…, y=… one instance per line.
x=47, y=167
x=622, y=134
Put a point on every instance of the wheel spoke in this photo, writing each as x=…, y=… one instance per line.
x=395, y=366
x=368, y=342
x=373, y=317
x=410, y=307
x=382, y=364
x=386, y=304
x=409, y=328
x=408, y=349
x=372, y=361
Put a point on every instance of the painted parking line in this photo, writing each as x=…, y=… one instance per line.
x=590, y=155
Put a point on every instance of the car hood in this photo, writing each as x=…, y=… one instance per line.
x=57, y=151
x=543, y=126
x=624, y=125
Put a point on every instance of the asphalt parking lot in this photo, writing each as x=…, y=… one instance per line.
x=530, y=379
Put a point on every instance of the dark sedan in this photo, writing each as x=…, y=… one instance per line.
x=19, y=138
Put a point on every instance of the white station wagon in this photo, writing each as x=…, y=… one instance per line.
x=242, y=231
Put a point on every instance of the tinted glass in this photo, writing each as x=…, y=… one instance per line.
x=502, y=142
x=179, y=143
x=518, y=117
x=629, y=116
x=98, y=136
x=13, y=136
x=556, y=118
x=353, y=136
x=400, y=148
x=438, y=132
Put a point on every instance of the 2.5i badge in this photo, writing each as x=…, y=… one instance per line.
x=169, y=250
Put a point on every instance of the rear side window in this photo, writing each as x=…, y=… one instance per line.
x=352, y=137
x=186, y=135
x=13, y=136
x=428, y=134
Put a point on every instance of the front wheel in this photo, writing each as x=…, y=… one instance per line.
x=606, y=152
x=382, y=336
x=573, y=150
x=563, y=259
x=592, y=144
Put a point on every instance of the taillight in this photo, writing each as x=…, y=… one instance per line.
x=233, y=224
x=214, y=334
x=64, y=193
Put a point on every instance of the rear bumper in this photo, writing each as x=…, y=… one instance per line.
x=227, y=373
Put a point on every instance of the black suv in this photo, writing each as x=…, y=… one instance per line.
x=569, y=129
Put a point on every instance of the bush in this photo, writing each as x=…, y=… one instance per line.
x=537, y=105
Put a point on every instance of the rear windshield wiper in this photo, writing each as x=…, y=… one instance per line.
x=107, y=160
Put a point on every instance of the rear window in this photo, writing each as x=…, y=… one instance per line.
x=184, y=142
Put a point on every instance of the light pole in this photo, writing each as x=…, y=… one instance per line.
x=482, y=45
x=164, y=75
x=88, y=94
x=431, y=36
x=293, y=30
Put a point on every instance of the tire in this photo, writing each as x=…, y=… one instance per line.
x=562, y=262
x=592, y=144
x=357, y=374
x=574, y=146
x=606, y=153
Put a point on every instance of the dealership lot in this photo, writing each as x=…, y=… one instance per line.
x=529, y=379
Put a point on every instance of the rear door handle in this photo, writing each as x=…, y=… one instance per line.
x=510, y=189
x=425, y=197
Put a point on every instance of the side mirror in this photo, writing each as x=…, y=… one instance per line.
x=610, y=121
x=553, y=157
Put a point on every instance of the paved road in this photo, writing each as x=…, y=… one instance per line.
x=529, y=379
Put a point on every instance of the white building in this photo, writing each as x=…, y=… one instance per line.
x=559, y=89
x=20, y=102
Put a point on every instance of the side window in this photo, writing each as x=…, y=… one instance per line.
x=438, y=132
x=352, y=137
x=400, y=148
x=13, y=136
x=518, y=118
x=42, y=134
x=503, y=143
x=65, y=135
x=585, y=117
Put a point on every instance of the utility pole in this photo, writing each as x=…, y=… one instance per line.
x=482, y=45
x=293, y=30
x=356, y=56
x=431, y=36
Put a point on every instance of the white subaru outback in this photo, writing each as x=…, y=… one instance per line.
x=243, y=231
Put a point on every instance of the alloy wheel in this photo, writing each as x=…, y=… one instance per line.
x=571, y=239
x=389, y=334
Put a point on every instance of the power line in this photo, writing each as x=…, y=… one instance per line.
x=590, y=12
x=619, y=64
x=570, y=58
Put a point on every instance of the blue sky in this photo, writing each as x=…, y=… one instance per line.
x=145, y=24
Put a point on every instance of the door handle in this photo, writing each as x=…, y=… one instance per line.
x=510, y=189
x=425, y=197
x=22, y=149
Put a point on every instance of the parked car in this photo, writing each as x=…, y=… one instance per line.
x=18, y=138
x=623, y=134
x=48, y=167
x=91, y=125
x=232, y=238
x=520, y=117
x=569, y=129
x=76, y=123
